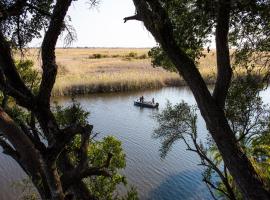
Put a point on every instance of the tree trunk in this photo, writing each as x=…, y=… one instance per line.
x=158, y=23
x=234, y=158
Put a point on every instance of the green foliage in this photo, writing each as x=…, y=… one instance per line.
x=98, y=153
x=131, y=195
x=32, y=79
x=29, y=75
x=160, y=59
x=260, y=149
x=73, y=114
x=249, y=34
x=175, y=122
x=18, y=114
x=132, y=54
x=193, y=22
x=28, y=192
x=98, y=56
x=22, y=29
x=250, y=117
x=98, y=150
x=250, y=122
x=143, y=56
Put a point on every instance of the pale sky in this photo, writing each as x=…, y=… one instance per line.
x=104, y=27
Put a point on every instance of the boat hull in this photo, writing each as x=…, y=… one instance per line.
x=146, y=104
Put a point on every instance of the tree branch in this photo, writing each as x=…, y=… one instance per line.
x=49, y=65
x=224, y=71
x=8, y=69
x=29, y=156
x=66, y=137
x=78, y=173
x=39, y=10
x=216, y=188
x=157, y=21
x=134, y=17
x=34, y=138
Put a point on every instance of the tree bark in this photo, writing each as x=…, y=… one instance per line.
x=28, y=157
x=224, y=71
x=44, y=161
x=158, y=23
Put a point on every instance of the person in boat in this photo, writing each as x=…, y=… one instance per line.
x=142, y=99
x=153, y=101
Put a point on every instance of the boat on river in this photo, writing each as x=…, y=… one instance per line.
x=146, y=104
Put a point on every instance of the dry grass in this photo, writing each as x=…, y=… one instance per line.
x=117, y=70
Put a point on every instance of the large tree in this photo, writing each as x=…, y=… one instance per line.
x=181, y=28
x=249, y=122
x=54, y=147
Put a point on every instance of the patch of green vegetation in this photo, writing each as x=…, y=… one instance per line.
x=97, y=56
x=132, y=54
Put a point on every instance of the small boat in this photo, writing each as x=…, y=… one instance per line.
x=146, y=104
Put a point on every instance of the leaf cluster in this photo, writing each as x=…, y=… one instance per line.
x=21, y=29
x=98, y=152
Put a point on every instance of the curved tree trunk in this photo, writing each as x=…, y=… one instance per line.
x=158, y=23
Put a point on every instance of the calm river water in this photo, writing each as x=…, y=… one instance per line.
x=176, y=177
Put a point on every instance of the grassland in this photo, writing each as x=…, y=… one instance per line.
x=89, y=70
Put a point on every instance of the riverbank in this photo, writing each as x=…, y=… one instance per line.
x=94, y=70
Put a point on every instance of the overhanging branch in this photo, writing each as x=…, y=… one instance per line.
x=134, y=17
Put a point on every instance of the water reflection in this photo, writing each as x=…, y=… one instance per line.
x=175, y=177
x=176, y=186
x=134, y=126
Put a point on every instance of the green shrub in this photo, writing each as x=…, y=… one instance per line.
x=97, y=56
x=143, y=56
x=132, y=54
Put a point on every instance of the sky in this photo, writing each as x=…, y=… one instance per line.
x=103, y=26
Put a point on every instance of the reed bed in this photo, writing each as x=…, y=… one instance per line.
x=91, y=70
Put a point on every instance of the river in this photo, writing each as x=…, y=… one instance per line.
x=176, y=177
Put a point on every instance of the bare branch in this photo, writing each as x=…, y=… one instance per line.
x=216, y=188
x=134, y=17
x=71, y=34
x=211, y=192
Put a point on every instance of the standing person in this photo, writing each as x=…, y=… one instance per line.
x=153, y=101
x=142, y=98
